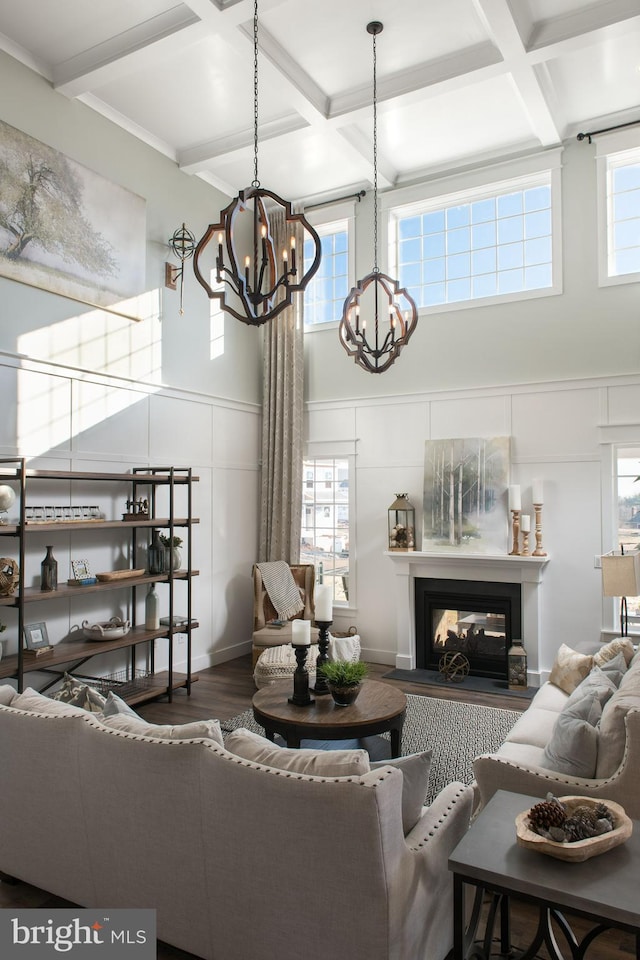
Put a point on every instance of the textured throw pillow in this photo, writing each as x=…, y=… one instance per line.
x=570, y=668
x=7, y=694
x=316, y=763
x=209, y=729
x=610, y=650
x=77, y=693
x=415, y=772
x=573, y=748
x=115, y=704
x=36, y=702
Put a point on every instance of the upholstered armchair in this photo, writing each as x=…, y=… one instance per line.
x=264, y=611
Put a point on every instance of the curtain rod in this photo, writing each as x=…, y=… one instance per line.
x=329, y=203
x=594, y=133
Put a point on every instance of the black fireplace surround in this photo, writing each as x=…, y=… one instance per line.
x=483, y=620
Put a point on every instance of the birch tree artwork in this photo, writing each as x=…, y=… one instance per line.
x=465, y=495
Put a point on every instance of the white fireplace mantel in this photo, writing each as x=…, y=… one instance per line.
x=493, y=568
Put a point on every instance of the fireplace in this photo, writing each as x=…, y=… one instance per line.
x=475, y=618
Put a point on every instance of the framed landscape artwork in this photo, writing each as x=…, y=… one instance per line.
x=465, y=495
x=66, y=229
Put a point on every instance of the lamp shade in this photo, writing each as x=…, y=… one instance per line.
x=621, y=574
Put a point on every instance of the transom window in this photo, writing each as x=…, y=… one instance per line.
x=490, y=242
x=325, y=295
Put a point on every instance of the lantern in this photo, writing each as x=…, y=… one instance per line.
x=517, y=666
x=402, y=524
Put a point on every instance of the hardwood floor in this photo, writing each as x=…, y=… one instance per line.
x=225, y=691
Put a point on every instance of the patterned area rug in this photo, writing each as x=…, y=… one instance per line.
x=456, y=732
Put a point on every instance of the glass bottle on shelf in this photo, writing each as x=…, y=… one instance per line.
x=151, y=609
x=49, y=571
x=156, y=554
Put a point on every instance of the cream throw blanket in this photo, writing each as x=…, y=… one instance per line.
x=281, y=587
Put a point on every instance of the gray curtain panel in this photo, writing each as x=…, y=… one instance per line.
x=282, y=405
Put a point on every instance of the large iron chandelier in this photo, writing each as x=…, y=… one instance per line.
x=374, y=346
x=254, y=281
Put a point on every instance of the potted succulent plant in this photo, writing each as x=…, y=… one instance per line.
x=171, y=545
x=344, y=679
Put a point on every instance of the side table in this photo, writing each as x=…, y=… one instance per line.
x=603, y=889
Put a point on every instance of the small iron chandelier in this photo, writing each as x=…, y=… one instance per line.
x=254, y=282
x=182, y=244
x=394, y=311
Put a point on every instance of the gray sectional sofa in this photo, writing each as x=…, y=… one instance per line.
x=588, y=745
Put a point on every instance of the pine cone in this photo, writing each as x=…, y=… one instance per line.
x=584, y=812
x=602, y=812
x=549, y=813
x=579, y=828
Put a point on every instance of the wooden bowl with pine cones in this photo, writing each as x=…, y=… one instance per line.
x=573, y=828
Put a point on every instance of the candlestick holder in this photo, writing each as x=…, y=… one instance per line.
x=538, y=552
x=301, y=696
x=323, y=655
x=525, y=543
x=515, y=550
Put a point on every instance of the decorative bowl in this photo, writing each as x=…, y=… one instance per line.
x=106, y=629
x=579, y=850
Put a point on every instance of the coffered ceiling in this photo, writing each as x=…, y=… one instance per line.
x=459, y=81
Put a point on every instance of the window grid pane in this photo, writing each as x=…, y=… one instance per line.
x=328, y=289
x=624, y=218
x=628, y=508
x=325, y=523
x=497, y=245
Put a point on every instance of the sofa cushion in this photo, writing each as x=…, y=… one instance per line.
x=36, y=702
x=209, y=729
x=534, y=726
x=573, y=748
x=550, y=697
x=524, y=754
x=415, y=782
x=612, y=725
x=78, y=693
x=7, y=694
x=570, y=668
x=317, y=763
x=609, y=650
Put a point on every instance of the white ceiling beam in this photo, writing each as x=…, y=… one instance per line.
x=194, y=159
x=586, y=26
x=362, y=146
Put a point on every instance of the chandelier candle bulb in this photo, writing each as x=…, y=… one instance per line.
x=515, y=502
x=324, y=604
x=537, y=490
x=301, y=633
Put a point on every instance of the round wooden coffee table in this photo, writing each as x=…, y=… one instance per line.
x=379, y=707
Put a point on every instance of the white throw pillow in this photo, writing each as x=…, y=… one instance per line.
x=609, y=650
x=7, y=694
x=36, y=702
x=415, y=772
x=573, y=748
x=316, y=763
x=209, y=729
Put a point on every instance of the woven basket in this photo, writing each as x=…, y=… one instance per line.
x=9, y=576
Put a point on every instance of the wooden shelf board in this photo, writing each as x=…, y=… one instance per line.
x=159, y=478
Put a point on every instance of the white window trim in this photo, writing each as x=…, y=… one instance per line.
x=344, y=210
x=612, y=143
x=474, y=185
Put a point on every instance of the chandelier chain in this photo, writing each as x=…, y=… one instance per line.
x=256, y=182
x=375, y=159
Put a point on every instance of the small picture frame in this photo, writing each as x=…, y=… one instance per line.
x=80, y=569
x=36, y=636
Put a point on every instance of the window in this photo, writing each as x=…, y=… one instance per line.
x=325, y=523
x=493, y=241
x=628, y=510
x=623, y=213
x=325, y=295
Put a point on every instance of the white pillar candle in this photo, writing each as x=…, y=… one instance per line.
x=324, y=603
x=514, y=497
x=525, y=523
x=301, y=633
x=537, y=491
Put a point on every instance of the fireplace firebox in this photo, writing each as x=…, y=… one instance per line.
x=477, y=618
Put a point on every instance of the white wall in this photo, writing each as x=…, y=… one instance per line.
x=88, y=390
x=559, y=375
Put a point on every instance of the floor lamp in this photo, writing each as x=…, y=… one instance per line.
x=621, y=578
